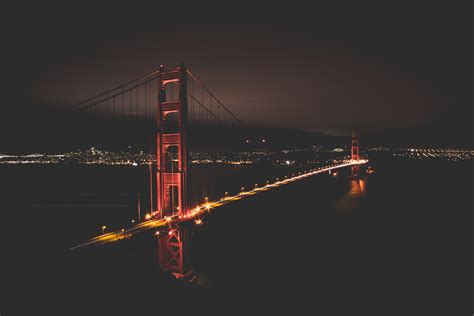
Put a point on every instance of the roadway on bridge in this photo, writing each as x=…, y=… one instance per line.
x=208, y=206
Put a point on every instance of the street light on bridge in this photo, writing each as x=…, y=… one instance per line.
x=198, y=221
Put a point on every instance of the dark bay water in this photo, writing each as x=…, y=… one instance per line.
x=388, y=243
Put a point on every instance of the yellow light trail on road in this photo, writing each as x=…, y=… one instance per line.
x=206, y=207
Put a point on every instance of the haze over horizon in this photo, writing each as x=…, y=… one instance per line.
x=334, y=69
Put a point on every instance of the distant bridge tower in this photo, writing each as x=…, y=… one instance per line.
x=355, y=153
x=355, y=146
x=171, y=169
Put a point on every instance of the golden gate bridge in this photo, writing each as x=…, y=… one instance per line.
x=174, y=101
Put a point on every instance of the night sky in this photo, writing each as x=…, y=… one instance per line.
x=329, y=68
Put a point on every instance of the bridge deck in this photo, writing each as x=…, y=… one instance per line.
x=206, y=207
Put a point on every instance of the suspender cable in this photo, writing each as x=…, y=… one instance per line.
x=80, y=104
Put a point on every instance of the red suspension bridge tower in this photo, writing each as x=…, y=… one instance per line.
x=355, y=153
x=171, y=169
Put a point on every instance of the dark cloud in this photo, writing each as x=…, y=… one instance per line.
x=334, y=67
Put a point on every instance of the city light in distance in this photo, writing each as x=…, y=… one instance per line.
x=94, y=156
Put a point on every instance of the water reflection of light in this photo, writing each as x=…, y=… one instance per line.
x=357, y=188
x=351, y=200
